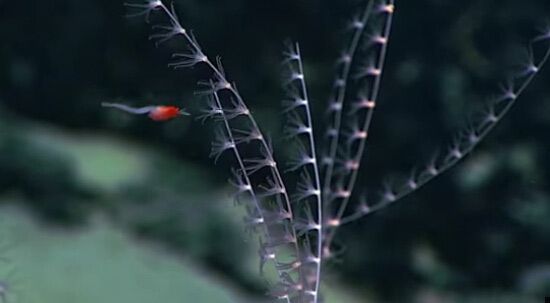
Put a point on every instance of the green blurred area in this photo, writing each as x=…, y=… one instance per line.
x=100, y=263
x=141, y=241
x=99, y=206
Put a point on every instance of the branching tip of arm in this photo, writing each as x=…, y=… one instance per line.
x=464, y=143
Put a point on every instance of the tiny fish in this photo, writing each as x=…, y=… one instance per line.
x=155, y=112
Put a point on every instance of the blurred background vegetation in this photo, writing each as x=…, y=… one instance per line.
x=98, y=206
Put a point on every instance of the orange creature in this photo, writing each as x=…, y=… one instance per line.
x=156, y=112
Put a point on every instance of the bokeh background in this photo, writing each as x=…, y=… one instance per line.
x=99, y=206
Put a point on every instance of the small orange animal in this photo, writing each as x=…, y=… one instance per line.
x=156, y=113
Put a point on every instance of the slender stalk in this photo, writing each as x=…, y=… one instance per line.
x=248, y=183
x=220, y=76
x=356, y=159
x=315, y=167
x=228, y=86
x=337, y=104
